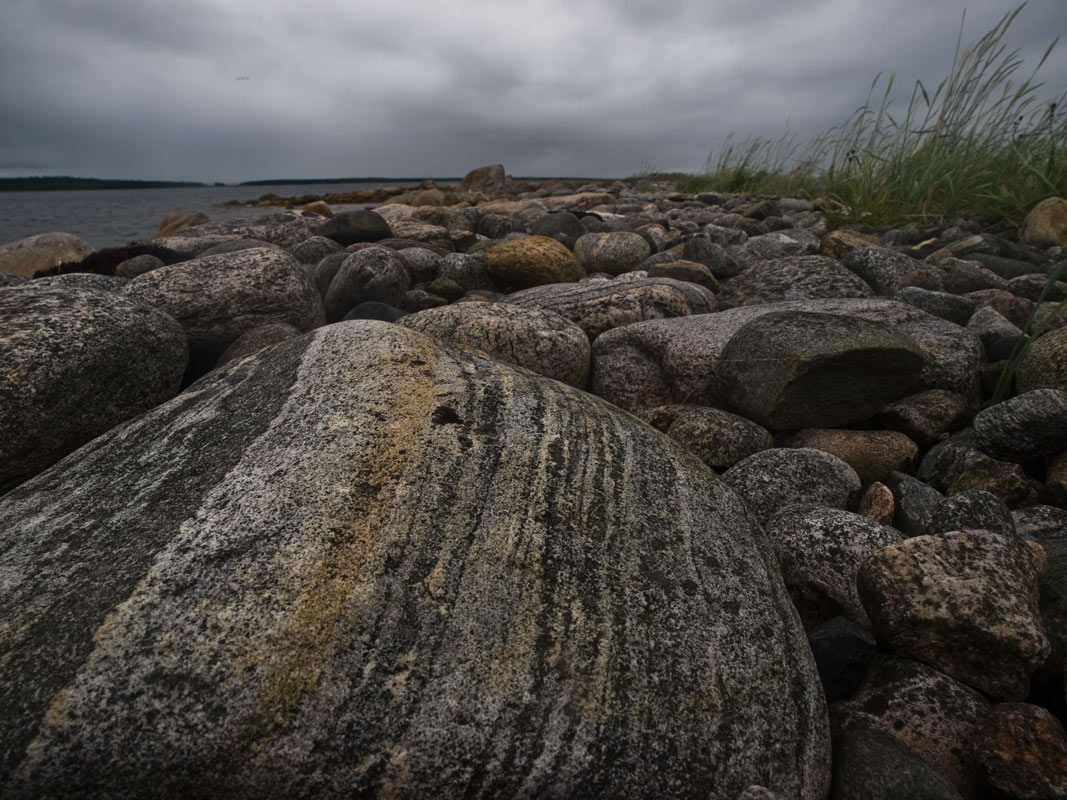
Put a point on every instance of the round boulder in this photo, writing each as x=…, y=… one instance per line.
x=351, y=227
x=373, y=274
x=613, y=253
x=532, y=261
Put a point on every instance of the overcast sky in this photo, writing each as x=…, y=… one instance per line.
x=412, y=88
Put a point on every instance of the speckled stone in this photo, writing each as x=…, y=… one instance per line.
x=360, y=564
x=372, y=274
x=720, y=439
x=965, y=601
x=532, y=261
x=1021, y=750
x=658, y=362
x=933, y=715
x=313, y=249
x=968, y=511
x=597, y=307
x=1041, y=522
x=283, y=229
x=873, y=454
x=1045, y=364
x=913, y=499
x=83, y=280
x=878, y=504
x=538, y=340
x=73, y=364
x=928, y=417
x=773, y=479
x=870, y=764
x=613, y=253
x=25, y=257
x=952, y=307
x=792, y=278
x=885, y=270
x=957, y=465
x=820, y=550
x=247, y=289
x=1025, y=427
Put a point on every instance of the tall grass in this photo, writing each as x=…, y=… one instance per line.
x=980, y=142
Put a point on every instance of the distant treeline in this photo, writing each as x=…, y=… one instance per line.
x=294, y=181
x=62, y=183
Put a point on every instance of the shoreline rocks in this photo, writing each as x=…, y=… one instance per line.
x=347, y=548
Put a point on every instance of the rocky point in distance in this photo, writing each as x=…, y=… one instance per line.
x=535, y=490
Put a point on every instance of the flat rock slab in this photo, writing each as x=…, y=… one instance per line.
x=285, y=230
x=361, y=564
x=74, y=363
x=654, y=363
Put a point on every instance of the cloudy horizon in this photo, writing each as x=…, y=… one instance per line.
x=219, y=90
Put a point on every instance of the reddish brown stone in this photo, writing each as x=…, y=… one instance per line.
x=877, y=504
x=1021, y=751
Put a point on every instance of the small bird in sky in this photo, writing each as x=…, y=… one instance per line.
x=243, y=78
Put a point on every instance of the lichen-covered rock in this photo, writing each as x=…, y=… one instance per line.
x=1021, y=750
x=720, y=439
x=1045, y=364
x=970, y=511
x=792, y=278
x=218, y=298
x=73, y=364
x=658, y=362
x=773, y=479
x=534, y=338
x=872, y=764
x=797, y=369
x=532, y=261
x=929, y=712
x=965, y=601
x=34, y=254
x=352, y=227
x=1046, y=224
x=597, y=307
x=360, y=564
x=372, y=274
x=873, y=454
x=820, y=550
x=1025, y=427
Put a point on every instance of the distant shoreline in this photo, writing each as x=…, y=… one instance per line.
x=66, y=183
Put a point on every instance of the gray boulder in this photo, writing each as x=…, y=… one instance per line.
x=313, y=249
x=613, y=253
x=26, y=257
x=602, y=305
x=534, y=338
x=361, y=564
x=1023, y=428
x=373, y=274
x=217, y=298
x=940, y=304
x=969, y=511
x=73, y=364
x=720, y=439
x=792, y=278
x=352, y=227
x=796, y=369
x=885, y=270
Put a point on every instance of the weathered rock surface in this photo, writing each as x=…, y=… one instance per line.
x=534, y=338
x=871, y=764
x=796, y=369
x=532, y=261
x=613, y=253
x=1021, y=750
x=74, y=363
x=249, y=288
x=658, y=362
x=929, y=712
x=720, y=439
x=602, y=305
x=373, y=274
x=1045, y=363
x=284, y=230
x=361, y=564
x=1046, y=224
x=820, y=550
x=773, y=479
x=965, y=601
x=970, y=511
x=873, y=454
x=885, y=270
x=792, y=278
x=33, y=254
x=957, y=465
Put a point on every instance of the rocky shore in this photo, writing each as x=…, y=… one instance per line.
x=515, y=491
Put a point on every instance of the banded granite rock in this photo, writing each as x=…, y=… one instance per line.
x=600, y=306
x=363, y=564
x=820, y=550
x=964, y=601
x=792, y=278
x=658, y=362
x=933, y=715
x=372, y=274
x=248, y=288
x=799, y=369
x=73, y=364
x=532, y=261
x=533, y=338
x=34, y=254
x=773, y=479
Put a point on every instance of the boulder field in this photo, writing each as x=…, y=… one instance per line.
x=568, y=492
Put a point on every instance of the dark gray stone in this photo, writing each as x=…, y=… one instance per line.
x=872, y=765
x=913, y=501
x=720, y=439
x=1040, y=522
x=560, y=222
x=967, y=511
x=940, y=304
x=710, y=253
x=376, y=273
x=138, y=265
x=373, y=310
x=313, y=249
x=1025, y=427
x=998, y=335
x=843, y=653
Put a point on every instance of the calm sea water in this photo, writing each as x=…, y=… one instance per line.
x=113, y=217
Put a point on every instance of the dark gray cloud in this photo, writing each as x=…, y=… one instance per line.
x=412, y=88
